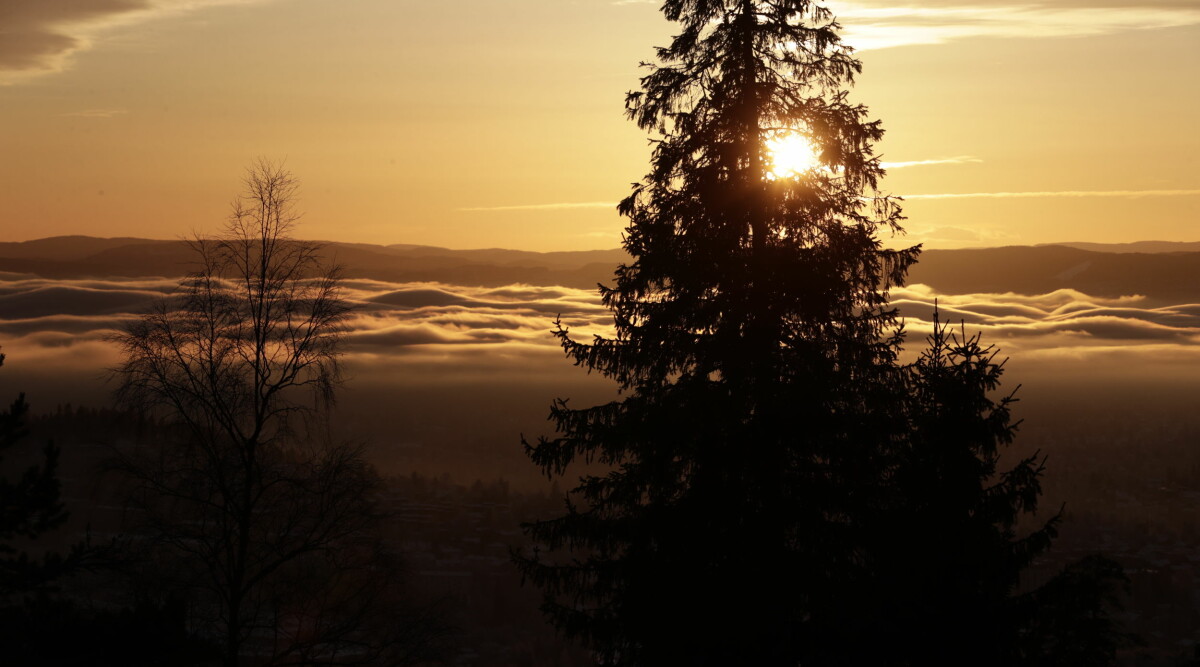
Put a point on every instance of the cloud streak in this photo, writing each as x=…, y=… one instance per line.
x=94, y=113
x=963, y=159
x=564, y=206
x=881, y=24
x=876, y=26
x=1058, y=193
x=40, y=37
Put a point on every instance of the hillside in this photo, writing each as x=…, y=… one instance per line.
x=1166, y=277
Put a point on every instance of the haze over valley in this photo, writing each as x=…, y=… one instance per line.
x=436, y=329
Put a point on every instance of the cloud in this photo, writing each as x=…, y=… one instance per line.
x=880, y=24
x=564, y=206
x=415, y=353
x=412, y=333
x=964, y=159
x=1058, y=193
x=419, y=298
x=939, y=5
x=387, y=316
x=41, y=36
x=39, y=298
x=67, y=324
x=94, y=113
x=408, y=314
x=399, y=337
x=876, y=25
x=1063, y=320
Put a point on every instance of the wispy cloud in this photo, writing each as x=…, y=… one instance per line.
x=40, y=37
x=1057, y=193
x=881, y=24
x=94, y=113
x=869, y=26
x=544, y=207
x=962, y=159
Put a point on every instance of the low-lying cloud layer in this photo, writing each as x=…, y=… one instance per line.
x=449, y=325
x=1064, y=322
x=451, y=376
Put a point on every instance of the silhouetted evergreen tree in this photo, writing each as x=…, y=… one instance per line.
x=774, y=487
x=950, y=556
x=1070, y=619
x=755, y=351
x=951, y=548
x=30, y=505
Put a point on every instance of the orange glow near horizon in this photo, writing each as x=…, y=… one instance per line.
x=138, y=119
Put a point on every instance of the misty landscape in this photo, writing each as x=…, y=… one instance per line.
x=1109, y=378
x=614, y=333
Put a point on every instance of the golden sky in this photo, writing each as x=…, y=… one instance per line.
x=499, y=123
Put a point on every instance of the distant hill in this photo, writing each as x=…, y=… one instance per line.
x=1137, y=246
x=1167, y=276
x=72, y=257
x=64, y=248
x=1162, y=277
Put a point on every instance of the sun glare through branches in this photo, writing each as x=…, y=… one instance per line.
x=792, y=154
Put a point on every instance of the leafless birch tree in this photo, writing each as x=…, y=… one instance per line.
x=266, y=522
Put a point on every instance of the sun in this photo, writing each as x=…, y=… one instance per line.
x=791, y=155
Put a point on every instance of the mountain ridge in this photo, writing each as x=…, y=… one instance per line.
x=1169, y=276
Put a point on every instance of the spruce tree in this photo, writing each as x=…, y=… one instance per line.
x=949, y=555
x=773, y=487
x=960, y=530
x=755, y=353
x=30, y=506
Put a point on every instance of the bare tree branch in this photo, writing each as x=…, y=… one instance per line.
x=266, y=521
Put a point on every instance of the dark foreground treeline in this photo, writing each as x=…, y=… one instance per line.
x=1127, y=481
x=459, y=599
x=88, y=575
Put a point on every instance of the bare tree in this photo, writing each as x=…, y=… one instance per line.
x=265, y=523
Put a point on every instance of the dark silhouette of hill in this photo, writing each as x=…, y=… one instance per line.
x=63, y=248
x=1167, y=277
x=86, y=257
x=500, y=256
x=1136, y=246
